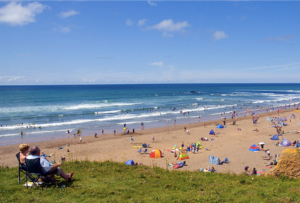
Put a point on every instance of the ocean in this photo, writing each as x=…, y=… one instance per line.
x=48, y=112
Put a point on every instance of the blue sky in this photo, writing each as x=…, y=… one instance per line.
x=97, y=42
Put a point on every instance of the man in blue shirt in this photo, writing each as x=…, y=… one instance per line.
x=35, y=152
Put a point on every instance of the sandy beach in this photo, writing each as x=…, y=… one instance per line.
x=228, y=143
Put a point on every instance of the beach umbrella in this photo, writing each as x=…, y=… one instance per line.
x=156, y=153
x=183, y=156
x=261, y=143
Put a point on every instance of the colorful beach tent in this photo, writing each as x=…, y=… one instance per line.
x=130, y=162
x=286, y=143
x=220, y=126
x=183, y=156
x=156, y=153
x=211, y=132
x=275, y=137
x=254, y=148
x=269, y=119
x=278, y=119
x=214, y=160
x=198, y=144
x=283, y=119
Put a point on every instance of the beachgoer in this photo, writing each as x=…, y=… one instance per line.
x=133, y=130
x=80, y=139
x=114, y=132
x=95, y=135
x=131, y=139
x=35, y=152
x=254, y=172
x=246, y=169
x=24, y=149
x=212, y=169
x=268, y=153
x=153, y=138
x=182, y=144
x=102, y=131
x=187, y=131
x=184, y=129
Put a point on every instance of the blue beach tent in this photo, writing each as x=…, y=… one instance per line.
x=275, y=137
x=254, y=148
x=130, y=162
x=214, y=160
x=211, y=132
x=220, y=126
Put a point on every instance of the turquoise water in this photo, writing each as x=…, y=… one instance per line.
x=91, y=108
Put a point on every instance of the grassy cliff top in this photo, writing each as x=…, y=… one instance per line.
x=115, y=182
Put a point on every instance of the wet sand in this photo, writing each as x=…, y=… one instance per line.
x=229, y=143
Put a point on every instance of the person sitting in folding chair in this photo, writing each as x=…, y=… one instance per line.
x=24, y=150
x=35, y=153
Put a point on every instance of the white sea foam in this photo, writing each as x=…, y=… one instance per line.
x=103, y=112
x=38, y=131
x=199, y=98
x=56, y=108
x=93, y=106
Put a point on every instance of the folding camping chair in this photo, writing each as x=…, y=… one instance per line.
x=22, y=169
x=145, y=151
x=140, y=150
x=36, y=172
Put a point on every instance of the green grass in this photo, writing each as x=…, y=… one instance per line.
x=115, y=182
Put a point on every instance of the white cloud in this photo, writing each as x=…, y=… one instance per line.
x=279, y=38
x=165, y=34
x=129, y=22
x=171, y=67
x=167, y=26
x=16, y=14
x=141, y=22
x=65, y=29
x=11, y=78
x=220, y=35
x=68, y=14
x=151, y=3
x=159, y=64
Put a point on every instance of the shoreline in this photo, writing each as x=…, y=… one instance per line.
x=108, y=136
x=229, y=143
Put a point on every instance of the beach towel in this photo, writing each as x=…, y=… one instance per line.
x=214, y=160
x=176, y=166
